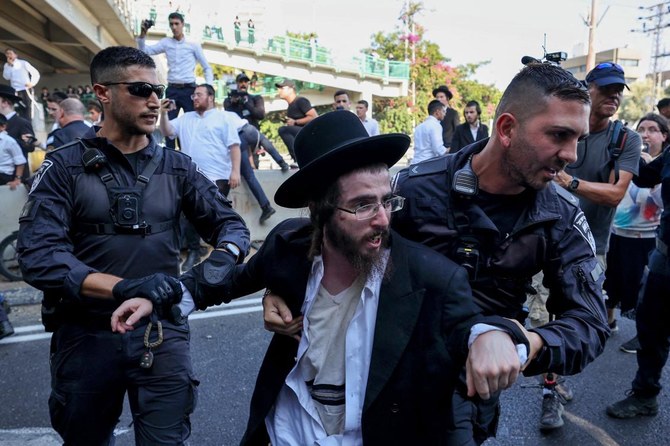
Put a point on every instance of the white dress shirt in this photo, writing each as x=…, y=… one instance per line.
x=207, y=140
x=372, y=126
x=20, y=73
x=181, y=58
x=10, y=154
x=294, y=419
x=428, y=142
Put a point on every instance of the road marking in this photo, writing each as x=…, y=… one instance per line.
x=31, y=333
x=594, y=431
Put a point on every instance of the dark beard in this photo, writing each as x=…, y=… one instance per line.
x=364, y=264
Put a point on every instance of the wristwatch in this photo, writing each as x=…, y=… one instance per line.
x=232, y=249
x=574, y=184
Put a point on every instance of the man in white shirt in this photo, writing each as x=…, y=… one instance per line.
x=209, y=138
x=387, y=322
x=370, y=124
x=12, y=161
x=182, y=56
x=22, y=77
x=428, y=142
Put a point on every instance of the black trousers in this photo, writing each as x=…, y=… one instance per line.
x=92, y=369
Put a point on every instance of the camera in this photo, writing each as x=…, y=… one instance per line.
x=127, y=210
x=148, y=23
x=467, y=255
x=556, y=57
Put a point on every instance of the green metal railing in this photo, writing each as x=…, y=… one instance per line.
x=299, y=50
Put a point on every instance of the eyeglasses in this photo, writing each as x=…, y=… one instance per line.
x=141, y=89
x=198, y=95
x=368, y=211
x=604, y=65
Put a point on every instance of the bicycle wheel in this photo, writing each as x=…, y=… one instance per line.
x=9, y=263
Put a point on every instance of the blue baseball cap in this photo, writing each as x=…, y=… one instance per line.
x=607, y=73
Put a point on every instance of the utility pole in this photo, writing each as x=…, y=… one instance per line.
x=591, y=55
x=654, y=23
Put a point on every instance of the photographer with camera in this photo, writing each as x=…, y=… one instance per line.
x=100, y=228
x=182, y=56
x=252, y=108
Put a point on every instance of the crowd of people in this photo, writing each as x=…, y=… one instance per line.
x=401, y=308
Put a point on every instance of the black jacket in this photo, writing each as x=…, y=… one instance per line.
x=64, y=135
x=551, y=235
x=420, y=344
x=463, y=136
x=449, y=124
x=249, y=106
x=57, y=249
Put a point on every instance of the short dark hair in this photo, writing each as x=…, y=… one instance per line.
x=209, y=88
x=95, y=105
x=109, y=64
x=57, y=97
x=434, y=106
x=364, y=103
x=534, y=84
x=176, y=15
x=3, y=120
x=663, y=103
x=660, y=120
x=474, y=104
x=340, y=93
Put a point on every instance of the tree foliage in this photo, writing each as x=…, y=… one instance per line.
x=637, y=102
x=429, y=68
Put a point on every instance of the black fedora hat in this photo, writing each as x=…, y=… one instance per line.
x=444, y=89
x=8, y=92
x=330, y=146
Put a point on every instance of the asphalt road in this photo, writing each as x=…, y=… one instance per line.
x=227, y=346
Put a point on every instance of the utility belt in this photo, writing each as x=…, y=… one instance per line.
x=142, y=229
x=661, y=247
x=54, y=315
x=187, y=85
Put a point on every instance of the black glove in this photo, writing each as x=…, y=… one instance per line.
x=208, y=281
x=162, y=290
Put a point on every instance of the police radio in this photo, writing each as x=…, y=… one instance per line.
x=93, y=159
x=465, y=181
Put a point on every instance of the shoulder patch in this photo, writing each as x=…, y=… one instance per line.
x=46, y=165
x=427, y=167
x=564, y=194
x=582, y=226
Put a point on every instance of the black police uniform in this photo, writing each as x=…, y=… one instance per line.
x=653, y=308
x=67, y=232
x=548, y=232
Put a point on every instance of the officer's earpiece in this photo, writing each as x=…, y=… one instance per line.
x=465, y=181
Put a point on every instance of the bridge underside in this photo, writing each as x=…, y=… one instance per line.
x=61, y=36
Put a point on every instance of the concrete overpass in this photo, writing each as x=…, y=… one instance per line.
x=60, y=37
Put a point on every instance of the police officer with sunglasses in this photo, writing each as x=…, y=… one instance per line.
x=100, y=228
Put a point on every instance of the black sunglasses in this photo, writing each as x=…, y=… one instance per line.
x=141, y=89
